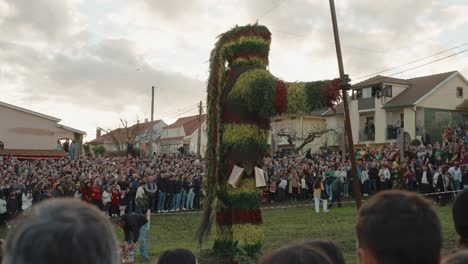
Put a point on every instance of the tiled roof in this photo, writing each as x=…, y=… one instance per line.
x=192, y=125
x=179, y=122
x=419, y=87
x=122, y=133
x=188, y=123
x=33, y=153
x=463, y=106
x=379, y=79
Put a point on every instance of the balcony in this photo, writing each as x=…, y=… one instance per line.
x=366, y=103
x=392, y=132
x=367, y=134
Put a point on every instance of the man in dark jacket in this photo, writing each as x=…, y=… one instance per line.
x=374, y=178
x=135, y=227
x=425, y=179
x=171, y=186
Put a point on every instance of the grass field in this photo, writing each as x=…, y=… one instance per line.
x=281, y=226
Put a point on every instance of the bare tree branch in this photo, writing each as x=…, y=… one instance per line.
x=291, y=137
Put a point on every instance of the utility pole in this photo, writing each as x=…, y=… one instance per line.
x=152, y=119
x=348, y=128
x=200, y=110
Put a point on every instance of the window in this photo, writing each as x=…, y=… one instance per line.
x=460, y=92
x=366, y=93
x=387, y=91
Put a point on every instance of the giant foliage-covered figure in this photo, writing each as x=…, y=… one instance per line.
x=242, y=97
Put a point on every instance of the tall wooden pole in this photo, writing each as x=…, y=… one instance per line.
x=152, y=119
x=349, y=132
x=200, y=110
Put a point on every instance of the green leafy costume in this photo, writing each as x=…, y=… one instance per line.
x=242, y=97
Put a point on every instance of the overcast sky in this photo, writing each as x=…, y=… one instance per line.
x=91, y=62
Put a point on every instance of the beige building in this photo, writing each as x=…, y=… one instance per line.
x=381, y=107
x=299, y=127
x=21, y=128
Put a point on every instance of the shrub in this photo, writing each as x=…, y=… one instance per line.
x=99, y=150
x=415, y=142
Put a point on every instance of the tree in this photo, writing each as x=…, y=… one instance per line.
x=291, y=137
x=125, y=138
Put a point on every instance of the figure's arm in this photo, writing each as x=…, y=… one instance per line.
x=258, y=91
x=308, y=97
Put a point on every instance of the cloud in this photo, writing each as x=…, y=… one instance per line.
x=45, y=19
x=107, y=76
x=104, y=56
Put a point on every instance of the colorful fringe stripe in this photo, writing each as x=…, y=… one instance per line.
x=223, y=217
x=250, y=200
x=245, y=138
x=247, y=233
x=222, y=233
x=281, y=101
x=247, y=185
x=296, y=98
x=247, y=216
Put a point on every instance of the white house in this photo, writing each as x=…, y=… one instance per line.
x=381, y=105
x=182, y=136
x=145, y=132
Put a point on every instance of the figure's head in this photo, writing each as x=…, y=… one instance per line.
x=393, y=227
x=246, y=45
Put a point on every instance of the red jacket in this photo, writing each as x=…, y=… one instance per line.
x=85, y=194
x=96, y=193
x=115, y=197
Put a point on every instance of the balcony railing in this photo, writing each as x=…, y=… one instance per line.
x=366, y=103
x=367, y=134
x=392, y=132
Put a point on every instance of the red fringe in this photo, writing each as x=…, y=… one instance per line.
x=281, y=98
x=224, y=217
x=246, y=216
x=250, y=119
x=332, y=93
x=264, y=34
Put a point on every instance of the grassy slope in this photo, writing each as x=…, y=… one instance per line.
x=281, y=226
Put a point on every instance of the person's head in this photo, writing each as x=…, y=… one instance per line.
x=296, y=254
x=331, y=250
x=178, y=255
x=460, y=257
x=62, y=231
x=398, y=227
x=460, y=218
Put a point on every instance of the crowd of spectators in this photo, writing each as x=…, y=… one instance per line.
x=170, y=183
x=427, y=169
x=116, y=185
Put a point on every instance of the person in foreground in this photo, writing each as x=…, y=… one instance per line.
x=398, y=227
x=461, y=257
x=62, y=231
x=460, y=218
x=179, y=256
x=309, y=252
x=135, y=227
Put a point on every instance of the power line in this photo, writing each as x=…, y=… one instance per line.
x=422, y=65
x=419, y=66
x=331, y=42
x=411, y=62
x=271, y=9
